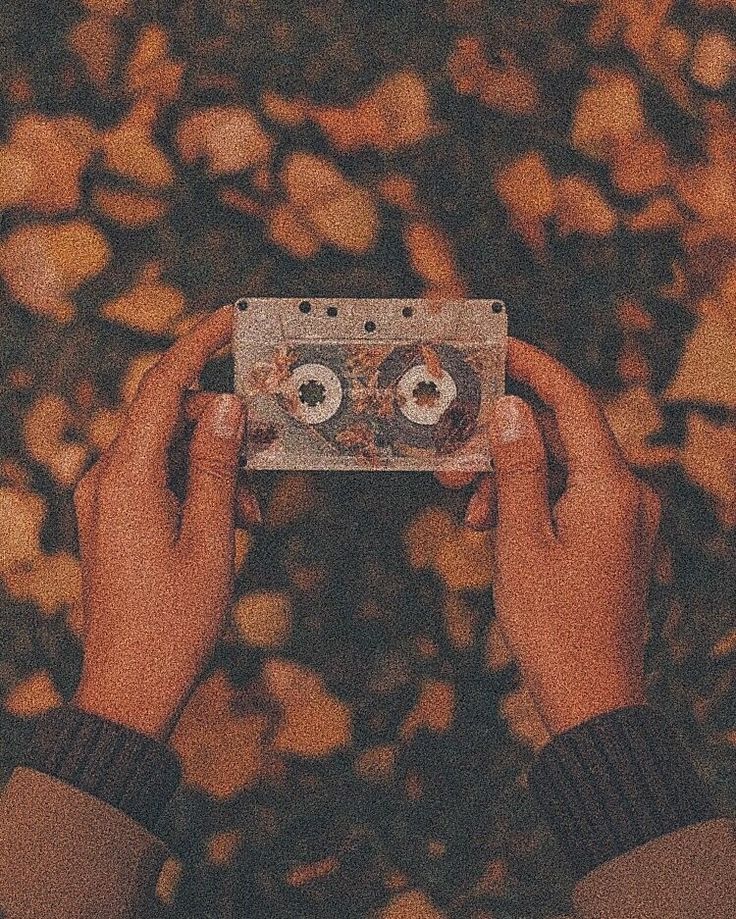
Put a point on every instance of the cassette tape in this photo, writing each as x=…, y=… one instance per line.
x=368, y=384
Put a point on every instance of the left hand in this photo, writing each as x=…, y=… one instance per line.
x=158, y=573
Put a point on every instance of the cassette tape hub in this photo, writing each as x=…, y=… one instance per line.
x=368, y=384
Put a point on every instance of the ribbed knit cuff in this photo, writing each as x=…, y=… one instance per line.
x=615, y=782
x=117, y=764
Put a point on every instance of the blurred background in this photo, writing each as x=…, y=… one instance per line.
x=358, y=744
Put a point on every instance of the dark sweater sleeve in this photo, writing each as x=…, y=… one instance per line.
x=116, y=764
x=615, y=782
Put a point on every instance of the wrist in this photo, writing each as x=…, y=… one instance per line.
x=562, y=714
x=151, y=717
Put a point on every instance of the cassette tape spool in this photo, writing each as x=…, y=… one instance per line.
x=356, y=384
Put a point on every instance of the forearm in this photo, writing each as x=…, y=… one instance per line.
x=78, y=820
x=615, y=782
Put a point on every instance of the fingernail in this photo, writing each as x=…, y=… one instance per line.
x=509, y=415
x=228, y=417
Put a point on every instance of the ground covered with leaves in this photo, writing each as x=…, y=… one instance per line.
x=358, y=744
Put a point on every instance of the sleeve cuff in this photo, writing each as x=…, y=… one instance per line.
x=615, y=782
x=116, y=764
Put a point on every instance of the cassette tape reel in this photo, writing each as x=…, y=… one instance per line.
x=354, y=384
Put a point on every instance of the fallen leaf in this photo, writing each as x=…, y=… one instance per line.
x=581, y=208
x=713, y=62
x=22, y=514
x=293, y=497
x=96, y=40
x=42, y=163
x=707, y=456
x=50, y=582
x=306, y=874
x=44, y=264
x=434, y=709
x=661, y=213
x=229, y=138
x=263, y=618
x=333, y=208
x=221, y=751
x=150, y=71
x=289, y=112
x=520, y=713
x=465, y=561
x=527, y=189
x=460, y=621
x=151, y=306
x=168, y=882
x=34, y=695
x=413, y=904
x=426, y=533
x=634, y=416
x=400, y=191
x=376, y=764
x=507, y=85
x=640, y=166
x=44, y=430
x=706, y=370
x=108, y=7
x=609, y=113
x=289, y=231
x=221, y=847
x=130, y=150
x=315, y=723
x=397, y=114
x=430, y=254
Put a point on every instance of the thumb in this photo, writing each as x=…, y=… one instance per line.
x=520, y=462
x=208, y=517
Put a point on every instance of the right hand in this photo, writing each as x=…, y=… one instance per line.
x=570, y=581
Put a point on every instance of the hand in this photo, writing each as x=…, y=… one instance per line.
x=570, y=581
x=157, y=572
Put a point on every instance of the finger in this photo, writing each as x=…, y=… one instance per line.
x=455, y=479
x=141, y=448
x=520, y=461
x=196, y=402
x=208, y=517
x=481, y=511
x=591, y=450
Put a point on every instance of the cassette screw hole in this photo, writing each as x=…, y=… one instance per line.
x=426, y=393
x=497, y=307
x=312, y=393
x=241, y=304
x=407, y=311
x=370, y=327
x=332, y=311
x=305, y=306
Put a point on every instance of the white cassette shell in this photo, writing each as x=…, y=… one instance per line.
x=284, y=431
x=424, y=414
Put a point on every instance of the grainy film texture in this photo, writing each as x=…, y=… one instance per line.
x=358, y=745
